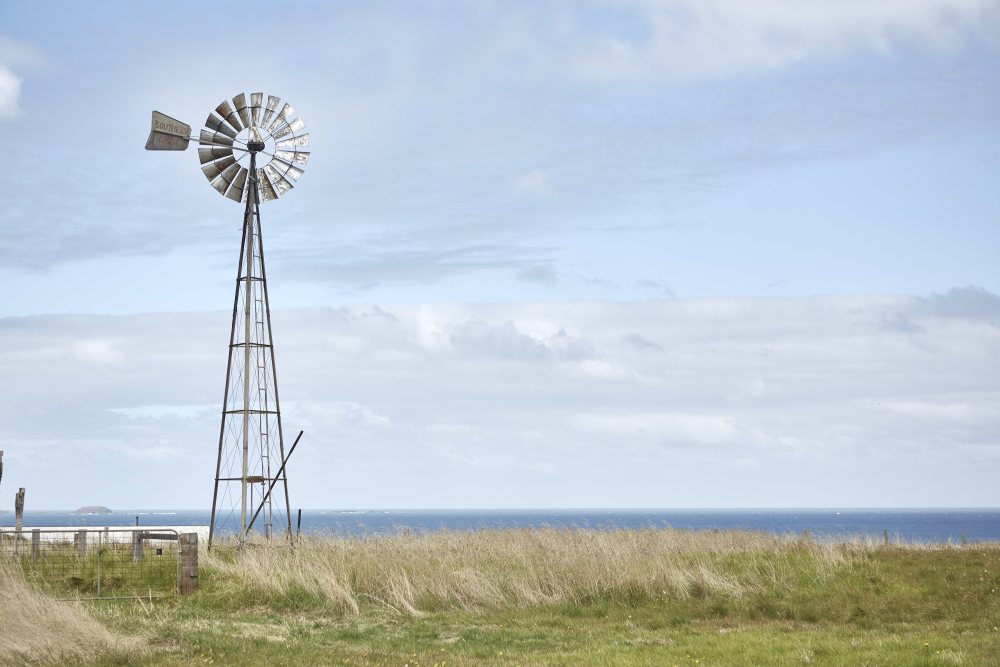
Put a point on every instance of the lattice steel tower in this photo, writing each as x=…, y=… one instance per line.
x=250, y=153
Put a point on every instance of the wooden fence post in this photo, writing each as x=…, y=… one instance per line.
x=137, y=546
x=36, y=539
x=19, y=510
x=18, y=519
x=189, y=563
x=81, y=543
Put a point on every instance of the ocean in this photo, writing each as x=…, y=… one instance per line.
x=910, y=525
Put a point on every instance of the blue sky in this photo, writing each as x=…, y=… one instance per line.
x=544, y=254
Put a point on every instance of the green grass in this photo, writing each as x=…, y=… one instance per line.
x=60, y=570
x=757, y=601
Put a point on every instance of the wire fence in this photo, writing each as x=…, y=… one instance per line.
x=97, y=563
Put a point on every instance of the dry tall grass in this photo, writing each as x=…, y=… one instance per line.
x=35, y=628
x=517, y=568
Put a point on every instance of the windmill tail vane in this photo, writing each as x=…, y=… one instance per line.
x=168, y=134
x=250, y=153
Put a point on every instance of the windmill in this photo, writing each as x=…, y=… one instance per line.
x=250, y=153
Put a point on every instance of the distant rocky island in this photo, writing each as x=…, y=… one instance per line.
x=93, y=509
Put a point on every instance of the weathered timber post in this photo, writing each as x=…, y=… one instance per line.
x=964, y=541
x=18, y=519
x=1, y=465
x=19, y=510
x=36, y=540
x=189, y=563
x=137, y=545
x=885, y=537
x=80, y=539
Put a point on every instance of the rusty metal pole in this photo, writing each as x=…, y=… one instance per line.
x=277, y=478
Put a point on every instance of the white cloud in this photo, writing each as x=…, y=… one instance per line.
x=534, y=182
x=503, y=341
x=674, y=428
x=158, y=411
x=15, y=56
x=579, y=403
x=341, y=416
x=10, y=93
x=692, y=39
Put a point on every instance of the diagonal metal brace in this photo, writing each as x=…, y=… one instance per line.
x=273, y=482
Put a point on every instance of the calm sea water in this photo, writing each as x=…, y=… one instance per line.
x=913, y=525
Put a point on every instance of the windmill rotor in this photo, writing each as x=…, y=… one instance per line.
x=237, y=129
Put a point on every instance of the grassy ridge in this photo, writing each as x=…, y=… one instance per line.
x=494, y=570
x=35, y=628
x=539, y=597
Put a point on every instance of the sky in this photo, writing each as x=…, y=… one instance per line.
x=604, y=253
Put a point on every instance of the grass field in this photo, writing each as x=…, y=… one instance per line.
x=551, y=597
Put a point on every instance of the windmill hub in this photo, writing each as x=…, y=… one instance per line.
x=256, y=143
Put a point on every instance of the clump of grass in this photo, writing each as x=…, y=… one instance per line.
x=39, y=629
x=472, y=571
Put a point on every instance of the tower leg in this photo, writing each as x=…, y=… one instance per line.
x=229, y=375
x=274, y=374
